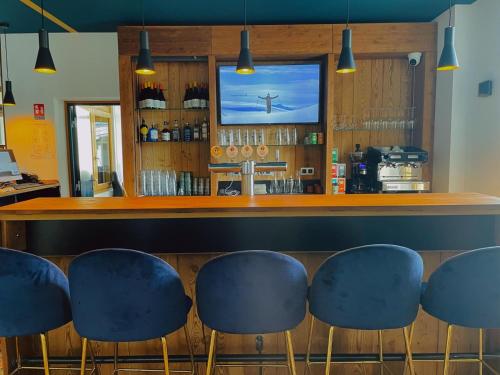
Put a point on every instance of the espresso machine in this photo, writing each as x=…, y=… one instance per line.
x=359, y=182
x=396, y=169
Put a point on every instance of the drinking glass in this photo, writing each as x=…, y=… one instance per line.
x=289, y=183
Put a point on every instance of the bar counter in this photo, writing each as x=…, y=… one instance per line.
x=188, y=231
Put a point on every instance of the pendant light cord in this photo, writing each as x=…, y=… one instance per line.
x=245, y=13
x=348, y=11
x=43, y=17
x=142, y=10
x=6, y=54
x=449, y=22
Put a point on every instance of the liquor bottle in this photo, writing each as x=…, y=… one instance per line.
x=187, y=99
x=196, y=96
x=153, y=134
x=204, y=130
x=163, y=101
x=140, y=97
x=165, y=133
x=196, y=131
x=144, y=131
x=176, y=132
x=187, y=133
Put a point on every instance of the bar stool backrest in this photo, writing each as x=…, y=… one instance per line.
x=465, y=289
x=373, y=287
x=252, y=292
x=121, y=295
x=34, y=294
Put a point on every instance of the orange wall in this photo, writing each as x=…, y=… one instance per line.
x=34, y=145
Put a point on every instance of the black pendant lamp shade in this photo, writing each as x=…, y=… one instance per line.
x=8, y=99
x=346, y=61
x=245, y=61
x=145, y=64
x=449, y=59
x=44, y=63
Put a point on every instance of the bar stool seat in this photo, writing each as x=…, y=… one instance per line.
x=121, y=295
x=465, y=291
x=375, y=287
x=252, y=292
x=34, y=298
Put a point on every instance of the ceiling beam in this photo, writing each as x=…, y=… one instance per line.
x=48, y=15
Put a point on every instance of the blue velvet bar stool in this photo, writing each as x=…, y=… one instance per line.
x=374, y=288
x=120, y=295
x=252, y=292
x=465, y=291
x=34, y=299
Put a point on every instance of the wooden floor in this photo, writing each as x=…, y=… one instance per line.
x=429, y=336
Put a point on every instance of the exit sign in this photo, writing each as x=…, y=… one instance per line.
x=39, y=111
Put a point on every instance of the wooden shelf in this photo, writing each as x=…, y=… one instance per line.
x=172, y=109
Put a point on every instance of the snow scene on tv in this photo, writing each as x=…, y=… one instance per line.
x=275, y=94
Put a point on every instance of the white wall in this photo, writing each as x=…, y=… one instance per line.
x=87, y=65
x=467, y=132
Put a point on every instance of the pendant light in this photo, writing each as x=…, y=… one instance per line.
x=44, y=63
x=346, y=60
x=145, y=64
x=448, y=59
x=245, y=61
x=8, y=99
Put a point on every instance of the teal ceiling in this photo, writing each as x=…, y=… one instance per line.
x=106, y=15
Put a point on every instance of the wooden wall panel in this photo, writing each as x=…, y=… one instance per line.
x=379, y=83
x=272, y=40
x=167, y=40
x=428, y=336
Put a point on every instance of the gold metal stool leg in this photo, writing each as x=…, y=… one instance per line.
x=480, y=351
x=84, y=356
x=115, y=358
x=447, y=349
x=45, y=355
x=190, y=348
x=408, y=350
x=307, y=368
x=211, y=350
x=329, y=352
x=290, y=352
x=381, y=351
x=165, y=354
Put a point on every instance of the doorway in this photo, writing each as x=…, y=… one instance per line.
x=95, y=151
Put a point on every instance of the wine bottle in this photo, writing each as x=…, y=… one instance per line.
x=165, y=133
x=196, y=96
x=176, y=132
x=163, y=101
x=149, y=101
x=207, y=101
x=196, y=131
x=204, y=130
x=144, y=131
x=140, y=97
x=186, y=97
x=203, y=101
x=187, y=133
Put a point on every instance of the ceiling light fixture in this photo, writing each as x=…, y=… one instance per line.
x=145, y=64
x=8, y=99
x=44, y=63
x=245, y=61
x=346, y=60
x=448, y=59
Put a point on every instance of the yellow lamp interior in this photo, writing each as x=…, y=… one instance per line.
x=8, y=104
x=145, y=72
x=45, y=70
x=345, y=71
x=448, y=67
x=245, y=71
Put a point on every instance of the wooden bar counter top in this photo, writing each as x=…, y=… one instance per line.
x=265, y=206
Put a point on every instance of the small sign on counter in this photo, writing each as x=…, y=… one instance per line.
x=39, y=111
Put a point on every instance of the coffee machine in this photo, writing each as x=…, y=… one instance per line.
x=396, y=169
x=359, y=182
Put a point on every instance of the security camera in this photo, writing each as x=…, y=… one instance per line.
x=414, y=58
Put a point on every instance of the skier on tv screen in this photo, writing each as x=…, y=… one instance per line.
x=268, y=100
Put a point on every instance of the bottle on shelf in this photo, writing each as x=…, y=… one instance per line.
x=153, y=134
x=161, y=97
x=176, y=132
x=187, y=97
x=187, y=134
x=204, y=130
x=144, y=131
x=165, y=133
x=196, y=131
x=195, y=101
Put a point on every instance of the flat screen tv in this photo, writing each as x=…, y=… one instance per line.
x=274, y=94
